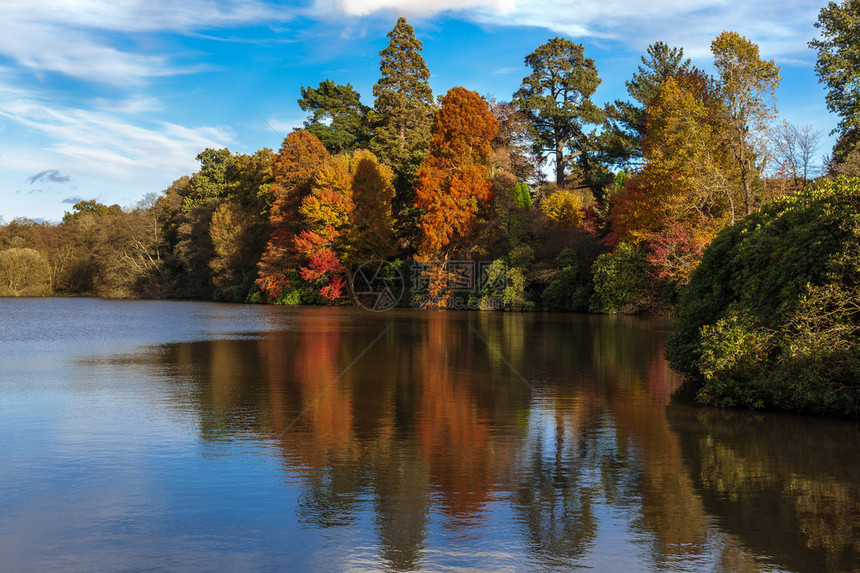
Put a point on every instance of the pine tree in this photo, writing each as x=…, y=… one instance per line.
x=338, y=118
x=621, y=142
x=556, y=98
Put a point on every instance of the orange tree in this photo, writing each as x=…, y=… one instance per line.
x=453, y=181
x=293, y=170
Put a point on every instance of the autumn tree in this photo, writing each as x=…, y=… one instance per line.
x=403, y=109
x=685, y=192
x=556, y=97
x=512, y=145
x=343, y=219
x=338, y=118
x=372, y=227
x=563, y=208
x=452, y=183
x=293, y=171
x=325, y=216
x=23, y=272
x=621, y=142
x=748, y=86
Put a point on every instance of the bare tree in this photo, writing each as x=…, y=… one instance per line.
x=795, y=149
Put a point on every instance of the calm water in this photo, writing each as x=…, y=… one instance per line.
x=201, y=437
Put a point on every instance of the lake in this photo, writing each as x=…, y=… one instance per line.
x=185, y=436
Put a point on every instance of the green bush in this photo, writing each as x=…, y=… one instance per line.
x=568, y=292
x=771, y=317
x=506, y=285
x=622, y=284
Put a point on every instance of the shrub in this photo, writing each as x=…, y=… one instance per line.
x=621, y=281
x=771, y=317
x=568, y=292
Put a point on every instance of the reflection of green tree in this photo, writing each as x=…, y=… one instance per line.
x=330, y=496
x=402, y=502
x=786, y=487
x=555, y=502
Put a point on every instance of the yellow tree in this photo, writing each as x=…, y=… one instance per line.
x=748, y=86
x=682, y=196
x=346, y=219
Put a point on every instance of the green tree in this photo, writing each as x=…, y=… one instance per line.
x=838, y=65
x=91, y=207
x=338, y=118
x=622, y=140
x=403, y=108
x=748, y=86
x=556, y=97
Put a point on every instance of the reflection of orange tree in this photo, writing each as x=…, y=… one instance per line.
x=453, y=434
x=324, y=418
x=337, y=428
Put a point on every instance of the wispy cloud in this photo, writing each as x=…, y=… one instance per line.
x=691, y=24
x=49, y=175
x=72, y=200
x=414, y=7
x=95, y=40
x=105, y=145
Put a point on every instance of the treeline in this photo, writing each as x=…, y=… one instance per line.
x=640, y=188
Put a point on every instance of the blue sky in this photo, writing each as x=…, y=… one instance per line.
x=113, y=99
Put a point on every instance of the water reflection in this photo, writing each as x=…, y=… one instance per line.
x=550, y=440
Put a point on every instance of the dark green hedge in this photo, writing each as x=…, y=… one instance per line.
x=771, y=317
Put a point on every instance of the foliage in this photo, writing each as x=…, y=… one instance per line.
x=293, y=170
x=338, y=118
x=621, y=142
x=512, y=144
x=838, y=64
x=748, y=86
x=23, y=272
x=403, y=109
x=570, y=290
x=770, y=317
x=563, y=207
x=91, y=207
x=620, y=281
x=453, y=183
x=523, y=196
x=556, y=98
x=504, y=288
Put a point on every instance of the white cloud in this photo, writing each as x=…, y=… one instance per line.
x=780, y=27
x=88, y=39
x=105, y=146
x=419, y=7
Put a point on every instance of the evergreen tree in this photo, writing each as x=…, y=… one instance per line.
x=621, y=142
x=556, y=98
x=338, y=118
x=403, y=110
x=838, y=67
